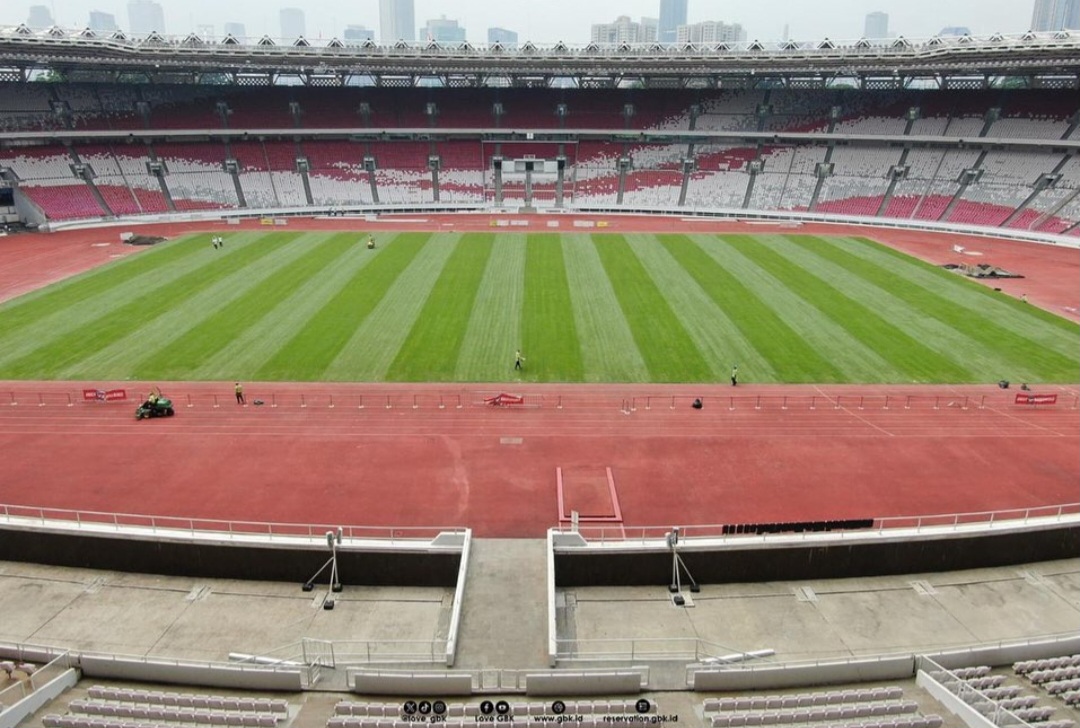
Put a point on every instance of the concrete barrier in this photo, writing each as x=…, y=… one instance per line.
x=191, y=673
x=368, y=682
x=562, y=682
x=877, y=669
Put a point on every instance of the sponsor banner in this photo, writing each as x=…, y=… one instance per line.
x=1036, y=399
x=104, y=395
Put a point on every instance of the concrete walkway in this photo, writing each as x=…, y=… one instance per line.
x=504, y=611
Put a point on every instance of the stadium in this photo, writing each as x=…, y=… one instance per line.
x=725, y=385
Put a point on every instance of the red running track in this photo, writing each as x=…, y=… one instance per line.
x=930, y=451
x=836, y=452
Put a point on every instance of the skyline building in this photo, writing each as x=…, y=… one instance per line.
x=876, y=25
x=358, y=33
x=1049, y=15
x=710, y=31
x=145, y=17
x=102, y=22
x=39, y=17
x=293, y=24
x=625, y=30
x=502, y=35
x=397, y=20
x=236, y=30
x=672, y=15
x=443, y=30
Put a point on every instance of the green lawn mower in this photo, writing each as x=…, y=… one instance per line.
x=160, y=407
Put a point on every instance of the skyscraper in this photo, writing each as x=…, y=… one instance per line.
x=625, y=30
x=358, y=33
x=145, y=17
x=710, y=31
x=672, y=15
x=39, y=17
x=292, y=23
x=236, y=30
x=442, y=29
x=876, y=26
x=1056, y=15
x=502, y=35
x=102, y=21
x=397, y=20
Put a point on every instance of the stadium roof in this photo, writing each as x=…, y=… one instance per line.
x=1043, y=60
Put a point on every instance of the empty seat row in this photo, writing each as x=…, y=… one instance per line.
x=346, y=709
x=1002, y=693
x=1071, y=698
x=85, y=721
x=967, y=673
x=174, y=713
x=189, y=700
x=834, y=713
x=803, y=700
x=990, y=681
x=1033, y=715
x=1053, y=674
x=517, y=721
x=1017, y=703
x=11, y=667
x=915, y=721
x=1049, y=663
x=1058, y=687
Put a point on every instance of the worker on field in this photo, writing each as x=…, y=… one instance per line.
x=371, y=242
x=735, y=375
x=519, y=360
x=239, y=389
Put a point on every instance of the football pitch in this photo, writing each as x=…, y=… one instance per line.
x=449, y=307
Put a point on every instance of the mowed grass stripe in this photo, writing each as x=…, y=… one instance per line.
x=549, y=338
x=65, y=317
x=183, y=356
x=308, y=353
x=494, y=329
x=608, y=350
x=791, y=357
x=977, y=338
x=376, y=341
x=665, y=345
x=245, y=355
x=916, y=361
x=119, y=359
x=936, y=336
x=82, y=288
x=97, y=334
x=1031, y=322
x=430, y=352
x=710, y=327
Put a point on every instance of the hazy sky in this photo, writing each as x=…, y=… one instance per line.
x=547, y=21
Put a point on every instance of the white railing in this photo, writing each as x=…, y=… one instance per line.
x=631, y=650
x=22, y=688
x=340, y=653
x=652, y=535
x=175, y=525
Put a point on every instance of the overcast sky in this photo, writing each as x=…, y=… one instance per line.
x=548, y=21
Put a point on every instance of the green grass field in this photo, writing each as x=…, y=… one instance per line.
x=582, y=308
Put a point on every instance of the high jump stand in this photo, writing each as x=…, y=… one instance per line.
x=678, y=567
x=333, y=540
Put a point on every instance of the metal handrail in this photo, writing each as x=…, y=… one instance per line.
x=1011, y=516
x=191, y=526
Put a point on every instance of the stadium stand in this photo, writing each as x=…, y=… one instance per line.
x=835, y=175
